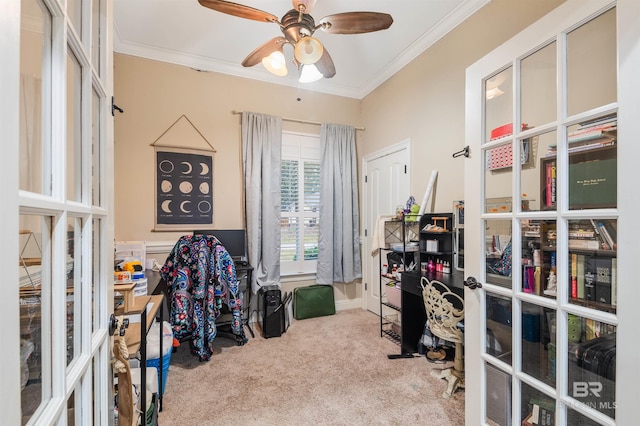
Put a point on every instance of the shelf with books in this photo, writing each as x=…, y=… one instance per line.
x=592, y=148
x=592, y=179
x=593, y=263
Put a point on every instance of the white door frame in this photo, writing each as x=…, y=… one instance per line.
x=89, y=381
x=9, y=123
x=370, y=296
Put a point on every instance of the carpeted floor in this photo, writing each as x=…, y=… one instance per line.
x=330, y=370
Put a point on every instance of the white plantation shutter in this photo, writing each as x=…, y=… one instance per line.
x=300, y=192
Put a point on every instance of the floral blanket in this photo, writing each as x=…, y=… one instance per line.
x=201, y=276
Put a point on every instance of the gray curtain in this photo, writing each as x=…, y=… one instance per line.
x=338, y=245
x=261, y=152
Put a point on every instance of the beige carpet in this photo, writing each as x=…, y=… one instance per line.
x=330, y=370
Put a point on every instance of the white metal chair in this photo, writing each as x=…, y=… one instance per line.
x=445, y=311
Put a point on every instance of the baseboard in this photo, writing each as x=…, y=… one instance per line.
x=343, y=305
x=162, y=247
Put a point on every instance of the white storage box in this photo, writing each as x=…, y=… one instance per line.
x=432, y=246
x=393, y=295
x=131, y=250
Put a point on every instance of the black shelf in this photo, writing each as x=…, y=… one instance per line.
x=445, y=239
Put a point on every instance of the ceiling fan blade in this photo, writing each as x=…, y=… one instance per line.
x=239, y=10
x=355, y=22
x=325, y=65
x=263, y=50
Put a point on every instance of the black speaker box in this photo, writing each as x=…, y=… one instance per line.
x=271, y=311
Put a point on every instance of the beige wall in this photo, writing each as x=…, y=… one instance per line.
x=424, y=102
x=155, y=94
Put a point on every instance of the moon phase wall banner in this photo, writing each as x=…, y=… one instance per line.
x=184, y=190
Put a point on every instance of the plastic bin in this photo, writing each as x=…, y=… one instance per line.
x=155, y=362
x=393, y=295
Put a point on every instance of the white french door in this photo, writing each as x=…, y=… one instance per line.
x=551, y=227
x=57, y=221
x=386, y=185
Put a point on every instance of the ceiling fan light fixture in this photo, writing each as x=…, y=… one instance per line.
x=309, y=74
x=275, y=63
x=308, y=50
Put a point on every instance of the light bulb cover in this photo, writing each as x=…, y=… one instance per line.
x=275, y=63
x=308, y=5
x=308, y=50
x=309, y=74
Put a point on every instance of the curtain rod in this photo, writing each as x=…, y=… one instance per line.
x=295, y=120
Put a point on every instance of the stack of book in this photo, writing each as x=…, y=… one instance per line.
x=592, y=134
x=542, y=413
x=593, y=265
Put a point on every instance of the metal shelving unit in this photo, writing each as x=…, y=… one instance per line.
x=401, y=237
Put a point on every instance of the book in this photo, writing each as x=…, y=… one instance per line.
x=614, y=281
x=613, y=118
x=589, y=281
x=574, y=275
x=584, y=243
x=543, y=412
x=580, y=275
x=603, y=279
x=581, y=233
x=590, y=136
x=527, y=420
x=547, y=200
x=607, y=236
x=586, y=145
x=590, y=329
x=600, y=238
x=553, y=184
x=593, y=183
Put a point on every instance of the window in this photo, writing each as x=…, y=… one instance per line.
x=299, y=211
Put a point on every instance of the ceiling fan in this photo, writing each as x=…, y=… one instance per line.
x=298, y=27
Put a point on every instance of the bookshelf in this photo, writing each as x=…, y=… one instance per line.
x=592, y=147
x=593, y=263
x=592, y=248
x=592, y=179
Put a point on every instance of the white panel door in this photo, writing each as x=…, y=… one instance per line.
x=551, y=230
x=386, y=185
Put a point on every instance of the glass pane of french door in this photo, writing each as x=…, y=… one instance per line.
x=65, y=227
x=550, y=230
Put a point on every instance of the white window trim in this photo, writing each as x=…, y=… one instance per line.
x=298, y=269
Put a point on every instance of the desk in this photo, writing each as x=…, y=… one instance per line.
x=414, y=315
x=157, y=285
x=136, y=338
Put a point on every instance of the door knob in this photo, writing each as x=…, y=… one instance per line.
x=113, y=324
x=472, y=283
